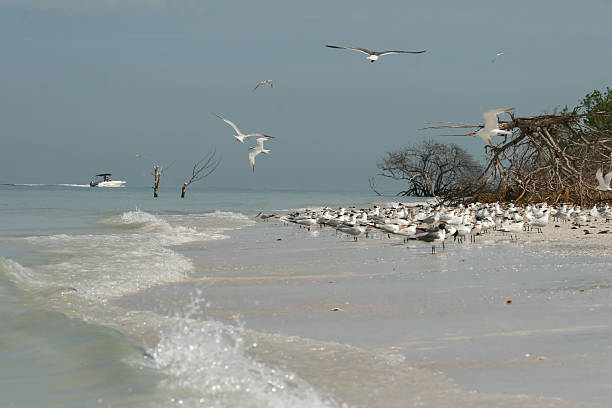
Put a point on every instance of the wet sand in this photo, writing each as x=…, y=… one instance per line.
x=379, y=323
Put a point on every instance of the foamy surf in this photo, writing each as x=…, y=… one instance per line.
x=202, y=363
x=136, y=257
x=193, y=363
x=46, y=185
x=208, y=362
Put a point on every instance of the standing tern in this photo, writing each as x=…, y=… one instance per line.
x=491, y=126
x=254, y=151
x=374, y=55
x=266, y=82
x=603, y=181
x=434, y=237
x=240, y=136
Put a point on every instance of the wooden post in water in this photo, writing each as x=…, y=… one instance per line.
x=157, y=173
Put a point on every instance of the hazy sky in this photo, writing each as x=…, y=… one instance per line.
x=87, y=85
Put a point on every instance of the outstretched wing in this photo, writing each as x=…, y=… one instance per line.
x=399, y=52
x=365, y=51
x=254, y=152
x=229, y=122
x=485, y=135
x=490, y=117
x=607, y=178
x=266, y=82
x=258, y=134
x=602, y=181
x=261, y=140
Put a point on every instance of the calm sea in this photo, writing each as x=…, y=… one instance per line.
x=67, y=251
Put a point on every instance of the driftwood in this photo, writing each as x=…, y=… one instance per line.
x=549, y=158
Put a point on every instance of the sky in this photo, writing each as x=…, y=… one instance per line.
x=91, y=86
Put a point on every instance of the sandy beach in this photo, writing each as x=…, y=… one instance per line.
x=380, y=323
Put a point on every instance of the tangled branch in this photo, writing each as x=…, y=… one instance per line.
x=549, y=158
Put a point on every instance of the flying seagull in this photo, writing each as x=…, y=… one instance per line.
x=240, y=136
x=603, y=181
x=266, y=82
x=491, y=126
x=254, y=151
x=499, y=54
x=374, y=55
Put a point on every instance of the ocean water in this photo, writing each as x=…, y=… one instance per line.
x=68, y=251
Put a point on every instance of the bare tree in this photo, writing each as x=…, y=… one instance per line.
x=157, y=173
x=202, y=169
x=432, y=169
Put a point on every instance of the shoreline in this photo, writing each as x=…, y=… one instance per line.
x=446, y=313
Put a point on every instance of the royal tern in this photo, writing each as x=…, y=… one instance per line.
x=511, y=227
x=374, y=55
x=266, y=82
x=355, y=231
x=580, y=218
x=407, y=231
x=433, y=237
x=265, y=217
x=539, y=222
x=254, y=151
x=491, y=126
x=476, y=228
x=462, y=230
x=240, y=136
x=431, y=219
x=603, y=182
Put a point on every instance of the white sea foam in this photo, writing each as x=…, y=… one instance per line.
x=46, y=185
x=209, y=358
x=204, y=363
x=17, y=272
x=103, y=266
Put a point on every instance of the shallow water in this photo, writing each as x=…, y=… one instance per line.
x=111, y=298
x=67, y=251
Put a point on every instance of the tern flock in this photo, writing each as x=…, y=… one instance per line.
x=432, y=225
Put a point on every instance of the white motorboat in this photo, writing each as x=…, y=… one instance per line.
x=104, y=180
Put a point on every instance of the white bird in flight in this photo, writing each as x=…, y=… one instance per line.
x=374, y=55
x=266, y=82
x=240, y=136
x=254, y=151
x=491, y=126
x=603, y=181
x=497, y=55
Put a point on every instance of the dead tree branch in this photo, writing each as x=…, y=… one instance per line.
x=157, y=173
x=202, y=169
x=550, y=157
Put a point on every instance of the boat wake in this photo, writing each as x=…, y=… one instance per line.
x=45, y=185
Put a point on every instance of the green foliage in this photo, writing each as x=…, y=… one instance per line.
x=598, y=101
